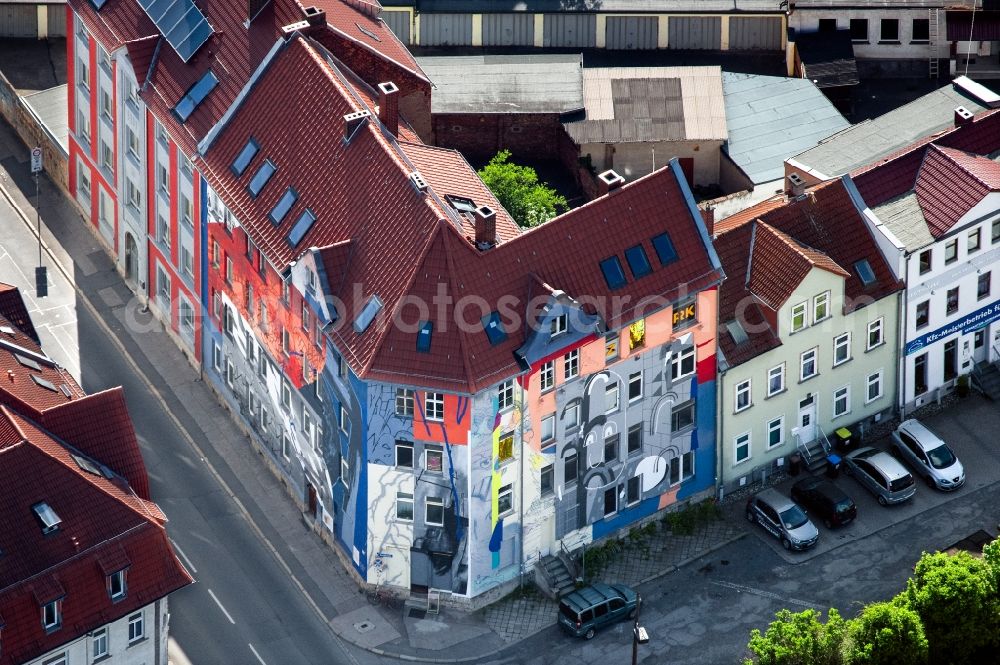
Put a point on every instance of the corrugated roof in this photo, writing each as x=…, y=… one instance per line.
x=771, y=118
x=545, y=83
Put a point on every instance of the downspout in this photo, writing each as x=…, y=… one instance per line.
x=720, y=429
x=901, y=328
x=520, y=502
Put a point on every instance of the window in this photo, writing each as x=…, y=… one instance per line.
x=637, y=334
x=611, y=445
x=841, y=349
x=821, y=306
x=634, y=441
x=304, y=315
x=925, y=261
x=99, y=643
x=572, y=416
x=52, y=615
x=952, y=301
x=610, y=347
x=682, y=416
x=610, y=501
x=135, y=628
x=921, y=33
x=186, y=210
x=875, y=385
x=548, y=428
x=865, y=272
x=681, y=468
x=404, y=507
x=547, y=375
x=611, y=397
x=494, y=328
x=162, y=287
x=404, y=402
x=187, y=263
x=433, y=458
x=974, y=241
x=664, y=248
x=83, y=181
x=950, y=360
x=923, y=314
x=799, y=316
x=638, y=263
x=83, y=126
x=808, y=365
x=776, y=380
x=775, y=432
x=633, y=492
x=424, y=337
x=132, y=141
x=505, y=500
x=107, y=157
x=875, y=337
x=951, y=252
x=104, y=102
x=682, y=364
x=132, y=194
x=195, y=95
x=163, y=231
x=229, y=270
x=920, y=374
x=286, y=396
x=558, y=324
x=571, y=364
x=547, y=480
x=434, y=511
x=345, y=419
x=741, y=448
x=505, y=395
x=827, y=24
x=569, y=468
x=859, y=29
x=634, y=386
x=116, y=585
x=889, y=30
x=995, y=234
x=685, y=314
x=983, y=287
x=614, y=276
x=261, y=177
x=841, y=401
x=244, y=158
x=434, y=406
x=284, y=204
x=742, y=396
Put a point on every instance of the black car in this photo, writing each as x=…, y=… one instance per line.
x=826, y=500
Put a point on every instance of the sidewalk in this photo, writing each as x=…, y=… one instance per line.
x=312, y=565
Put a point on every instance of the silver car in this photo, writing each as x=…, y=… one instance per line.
x=783, y=518
x=881, y=474
x=929, y=455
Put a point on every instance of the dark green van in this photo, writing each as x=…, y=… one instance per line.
x=583, y=611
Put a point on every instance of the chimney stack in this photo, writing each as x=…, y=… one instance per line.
x=609, y=181
x=388, y=106
x=486, y=227
x=963, y=116
x=314, y=16
x=352, y=121
x=708, y=216
x=796, y=184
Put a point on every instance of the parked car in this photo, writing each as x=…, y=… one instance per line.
x=783, y=518
x=826, y=500
x=585, y=610
x=928, y=455
x=881, y=474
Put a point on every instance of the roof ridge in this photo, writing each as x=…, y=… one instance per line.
x=799, y=247
x=976, y=158
x=450, y=260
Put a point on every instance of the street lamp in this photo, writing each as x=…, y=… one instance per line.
x=639, y=634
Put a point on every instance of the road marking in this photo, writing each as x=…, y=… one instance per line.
x=190, y=565
x=228, y=616
x=765, y=594
x=256, y=654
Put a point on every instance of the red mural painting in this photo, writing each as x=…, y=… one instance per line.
x=452, y=428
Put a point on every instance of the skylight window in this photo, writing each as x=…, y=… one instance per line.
x=301, y=228
x=424, y=337
x=260, y=178
x=665, y=251
x=494, y=328
x=613, y=273
x=865, y=272
x=195, y=95
x=44, y=383
x=246, y=156
x=87, y=465
x=736, y=331
x=283, y=205
x=461, y=204
x=638, y=263
x=367, y=314
x=50, y=521
x=28, y=362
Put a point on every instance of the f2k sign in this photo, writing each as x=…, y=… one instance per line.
x=684, y=313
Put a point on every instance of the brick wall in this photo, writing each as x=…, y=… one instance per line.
x=30, y=130
x=482, y=135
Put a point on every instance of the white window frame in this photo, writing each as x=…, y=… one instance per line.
x=122, y=585
x=876, y=325
x=507, y=490
x=781, y=375
x=571, y=365
x=821, y=300
x=842, y=341
x=612, y=406
x=56, y=622
x=678, y=360
x=344, y=419
x=841, y=393
x=400, y=445
x=99, y=643
x=574, y=422
x=877, y=376
x=802, y=364
x=404, y=400
x=136, y=628
x=505, y=395
x=547, y=376
x=404, y=498
x=635, y=377
x=737, y=445
x=345, y=472
x=548, y=432
x=742, y=389
x=799, y=308
x=434, y=407
x=559, y=325
x=777, y=424
x=437, y=452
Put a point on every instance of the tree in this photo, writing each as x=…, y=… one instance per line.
x=517, y=188
x=800, y=639
x=886, y=634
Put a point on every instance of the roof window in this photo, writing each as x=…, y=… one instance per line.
x=283, y=205
x=665, y=251
x=7, y=330
x=638, y=263
x=367, y=314
x=736, y=331
x=87, y=464
x=494, y=328
x=261, y=177
x=613, y=273
x=461, y=204
x=865, y=272
x=44, y=383
x=301, y=228
x=195, y=95
x=28, y=362
x=50, y=521
x=424, y=337
x=246, y=156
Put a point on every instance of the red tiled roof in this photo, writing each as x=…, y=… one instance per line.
x=946, y=190
x=17, y=387
x=140, y=54
x=748, y=215
x=13, y=309
x=778, y=264
x=100, y=522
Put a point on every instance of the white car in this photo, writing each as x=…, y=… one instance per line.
x=928, y=455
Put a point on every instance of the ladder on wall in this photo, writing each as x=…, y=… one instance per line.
x=933, y=23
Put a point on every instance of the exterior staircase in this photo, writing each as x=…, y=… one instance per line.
x=814, y=453
x=555, y=575
x=987, y=378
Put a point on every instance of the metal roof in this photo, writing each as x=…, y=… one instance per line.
x=505, y=83
x=771, y=118
x=601, y=6
x=874, y=139
x=49, y=106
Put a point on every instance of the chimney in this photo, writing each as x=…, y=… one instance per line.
x=254, y=7
x=388, y=106
x=486, y=227
x=963, y=116
x=314, y=16
x=708, y=216
x=796, y=185
x=609, y=181
x=352, y=121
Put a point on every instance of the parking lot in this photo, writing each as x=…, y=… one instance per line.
x=970, y=428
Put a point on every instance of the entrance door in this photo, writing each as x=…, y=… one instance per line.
x=979, y=350
x=313, y=499
x=130, y=253
x=807, y=420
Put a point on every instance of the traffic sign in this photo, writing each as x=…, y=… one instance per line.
x=36, y=160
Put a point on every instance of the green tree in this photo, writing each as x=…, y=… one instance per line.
x=886, y=634
x=957, y=600
x=800, y=639
x=517, y=188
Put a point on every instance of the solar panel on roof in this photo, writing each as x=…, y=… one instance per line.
x=181, y=23
x=195, y=95
x=301, y=228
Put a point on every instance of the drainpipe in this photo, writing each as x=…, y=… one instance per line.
x=901, y=328
x=520, y=503
x=720, y=429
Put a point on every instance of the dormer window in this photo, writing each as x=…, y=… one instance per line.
x=559, y=325
x=52, y=615
x=116, y=585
